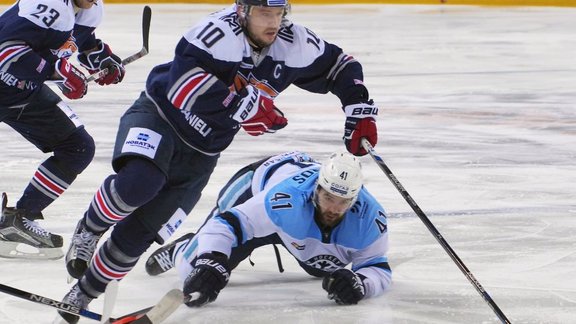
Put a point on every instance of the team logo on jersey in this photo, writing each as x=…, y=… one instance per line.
x=241, y=81
x=67, y=49
x=325, y=262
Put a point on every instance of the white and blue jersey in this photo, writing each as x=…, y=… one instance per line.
x=286, y=209
x=255, y=177
x=196, y=92
x=33, y=35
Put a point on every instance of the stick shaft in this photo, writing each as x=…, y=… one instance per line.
x=49, y=302
x=146, y=18
x=434, y=231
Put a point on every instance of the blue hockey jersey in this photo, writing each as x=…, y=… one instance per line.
x=33, y=35
x=196, y=92
x=286, y=209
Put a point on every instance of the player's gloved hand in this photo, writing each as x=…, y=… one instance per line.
x=103, y=58
x=360, y=122
x=257, y=114
x=344, y=286
x=73, y=83
x=209, y=276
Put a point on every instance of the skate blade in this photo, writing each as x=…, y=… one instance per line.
x=16, y=250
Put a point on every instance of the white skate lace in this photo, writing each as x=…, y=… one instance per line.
x=164, y=261
x=33, y=227
x=85, y=245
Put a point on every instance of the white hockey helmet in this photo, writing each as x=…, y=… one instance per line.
x=341, y=175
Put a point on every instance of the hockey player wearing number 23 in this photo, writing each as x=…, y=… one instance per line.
x=37, y=38
x=224, y=76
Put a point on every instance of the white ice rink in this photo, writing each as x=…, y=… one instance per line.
x=477, y=121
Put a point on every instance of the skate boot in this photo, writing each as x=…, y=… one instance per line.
x=78, y=298
x=21, y=237
x=81, y=250
x=162, y=259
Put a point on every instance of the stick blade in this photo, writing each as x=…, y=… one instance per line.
x=110, y=296
x=157, y=313
x=164, y=308
x=146, y=18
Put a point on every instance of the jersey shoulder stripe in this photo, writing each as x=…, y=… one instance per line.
x=10, y=52
x=185, y=90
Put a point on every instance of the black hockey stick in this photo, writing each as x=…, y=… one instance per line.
x=434, y=231
x=146, y=17
x=65, y=307
x=153, y=314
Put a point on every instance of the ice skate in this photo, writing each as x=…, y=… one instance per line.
x=75, y=297
x=162, y=259
x=82, y=247
x=21, y=237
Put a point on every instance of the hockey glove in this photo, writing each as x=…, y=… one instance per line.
x=209, y=276
x=103, y=58
x=257, y=114
x=344, y=287
x=73, y=83
x=360, y=122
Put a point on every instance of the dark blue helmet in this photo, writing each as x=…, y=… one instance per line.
x=247, y=4
x=264, y=3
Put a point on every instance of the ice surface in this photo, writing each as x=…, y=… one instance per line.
x=477, y=121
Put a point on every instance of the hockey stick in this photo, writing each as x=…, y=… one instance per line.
x=65, y=307
x=146, y=17
x=366, y=145
x=110, y=296
x=155, y=314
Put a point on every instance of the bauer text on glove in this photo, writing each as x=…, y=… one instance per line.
x=257, y=114
x=209, y=276
x=360, y=122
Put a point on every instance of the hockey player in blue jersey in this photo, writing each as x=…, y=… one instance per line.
x=243, y=185
x=322, y=215
x=224, y=76
x=37, y=38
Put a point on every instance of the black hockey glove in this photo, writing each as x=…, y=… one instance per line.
x=360, y=122
x=344, y=287
x=103, y=58
x=209, y=276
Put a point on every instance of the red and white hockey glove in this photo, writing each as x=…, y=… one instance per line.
x=360, y=122
x=257, y=114
x=103, y=58
x=73, y=83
